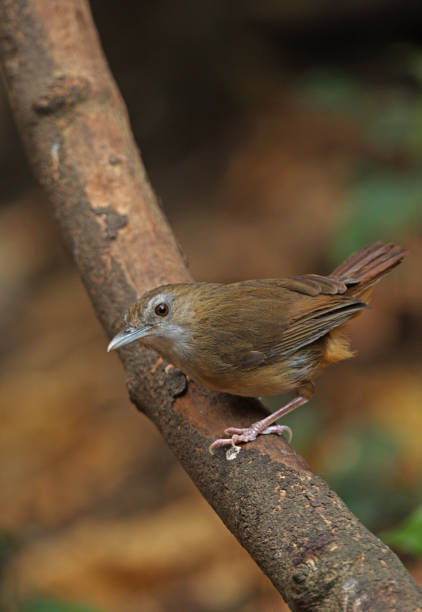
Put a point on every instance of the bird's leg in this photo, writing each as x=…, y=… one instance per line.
x=264, y=426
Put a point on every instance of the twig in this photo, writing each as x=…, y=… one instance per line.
x=75, y=127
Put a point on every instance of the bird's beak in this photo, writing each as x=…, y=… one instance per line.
x=126, y=336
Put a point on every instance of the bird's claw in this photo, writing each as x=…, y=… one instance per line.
x=223, y=442
x=244, y=435
x=279, y=430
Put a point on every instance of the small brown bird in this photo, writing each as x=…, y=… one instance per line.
x=259, y=337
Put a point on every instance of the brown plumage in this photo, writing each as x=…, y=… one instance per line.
x=259, y=337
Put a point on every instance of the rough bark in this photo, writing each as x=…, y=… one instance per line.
x=77, y=134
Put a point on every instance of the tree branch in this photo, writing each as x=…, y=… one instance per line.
x=76, y=130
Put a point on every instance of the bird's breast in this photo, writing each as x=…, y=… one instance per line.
x=264, y=380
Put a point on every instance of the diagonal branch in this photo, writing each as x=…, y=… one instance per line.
x=76, y=130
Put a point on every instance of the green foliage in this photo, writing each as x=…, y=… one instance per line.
x=407, y=537
x=362, y=473
x=384, y=197
x=390, y=115
x=47, y=604
x=7, y=548
x=397, y=126
x=329, y=90
x=382, y=205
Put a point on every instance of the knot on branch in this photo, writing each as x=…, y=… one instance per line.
x=177, y=381
x=168, y=382
x=64, y=92
x=114, y=220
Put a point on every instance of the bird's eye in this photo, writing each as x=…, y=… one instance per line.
x=161, y=309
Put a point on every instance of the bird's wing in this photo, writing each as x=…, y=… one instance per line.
x=298, y=311
x=305, y=284
x=315, y=324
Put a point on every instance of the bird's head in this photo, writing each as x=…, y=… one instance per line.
x=161, y=318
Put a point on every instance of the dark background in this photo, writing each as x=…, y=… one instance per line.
x=279, y=137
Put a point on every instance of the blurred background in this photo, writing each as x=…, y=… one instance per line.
x=279, y=137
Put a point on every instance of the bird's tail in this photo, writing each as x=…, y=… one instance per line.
x=364, y=268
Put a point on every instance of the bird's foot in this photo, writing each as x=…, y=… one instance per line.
x=264, y=426
x=245, y=435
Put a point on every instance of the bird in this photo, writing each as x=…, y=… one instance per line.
x=261, y=337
